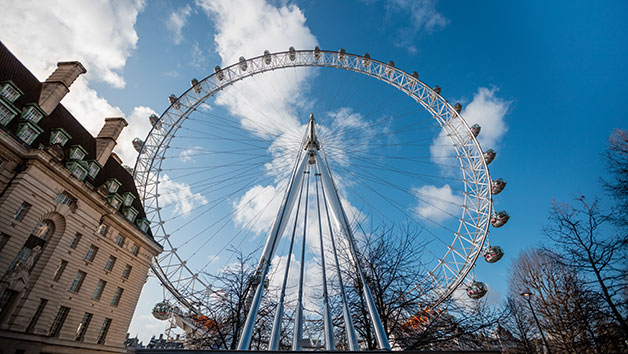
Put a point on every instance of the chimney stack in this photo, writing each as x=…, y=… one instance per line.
x=57, y=85
x=106, y=139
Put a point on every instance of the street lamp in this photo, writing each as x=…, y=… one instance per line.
x=526, y=295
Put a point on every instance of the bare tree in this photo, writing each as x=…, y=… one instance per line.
x=584, y=236
x=569, y=314
x=391, y=260
x=227, y=306
x=520, y=324
x=616, y=158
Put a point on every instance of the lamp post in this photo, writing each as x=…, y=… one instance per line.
x=526, y=295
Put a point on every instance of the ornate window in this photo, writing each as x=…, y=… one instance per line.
x=82, y=328
x=55, y=329
x=127, y=271
x=135, y=249
x=28, y=132
x=94, y=168
x=143, y=224
x=35, y=318
x=77, y=152
x=59, y=136
x=116, y=297
x=21, y=211
x=115, y=200
x=130, y=213
x=100, y=287
x=7, y=113
x=77, y=282
x=75, y=240
x=120, y=240
x=9, y=91
x=59, y=271
x=112, y=185
x=102, y=229
x=64, y=198
x=111, y=261
x=102, y=335
x=91, y=253
x=78, y=169
x=128, y=198
x=32, y=113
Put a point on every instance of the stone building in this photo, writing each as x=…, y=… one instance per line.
x=75, y=246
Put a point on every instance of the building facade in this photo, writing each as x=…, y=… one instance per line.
x=75, y=246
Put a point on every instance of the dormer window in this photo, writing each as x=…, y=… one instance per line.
x=59, y=136
x=94, y=168
x=32, y=113
x=7, y=112
x=112, y=185
x=130, y=213
x=115, y=200
x=28, y=132
x=143, y=224
x=9, y=91
x=128, y=198
x=77, y=152
x=78, y=169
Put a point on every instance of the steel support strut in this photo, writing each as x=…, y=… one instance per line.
x=329, y=330
x=269, y=250
x=341, y=217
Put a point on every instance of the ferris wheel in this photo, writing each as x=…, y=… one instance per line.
x=304, y=153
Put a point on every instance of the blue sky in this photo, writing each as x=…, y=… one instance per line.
x=558, y=70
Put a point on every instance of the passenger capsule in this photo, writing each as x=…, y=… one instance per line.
x=292, y=54
x=366, y=59
x=493, y=254
x=435, y=92
x=137, y=144
x=476, y=290
x=458, y=107
x=267, y=57
x=162, y=310
x=219, y=74
x=317, y=53
x=243, y=65
x=174, y=101
x=341, y=54
x=498, y=185
x=195, y=86
x=500, y=218
x=154, y=121
x=415, y=75
x=489, y=156
x=475, y=130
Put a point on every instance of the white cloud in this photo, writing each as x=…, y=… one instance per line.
x=139, y=126
x=176, y=21
x=260, y=204
x=99, y=34
x=435, y=203
x=87, y=106
x=180, y=195
x=187, y=155
x=256, y=26
x=422, y=18
x=487, y=110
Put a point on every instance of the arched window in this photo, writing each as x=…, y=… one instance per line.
x=44, y=229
